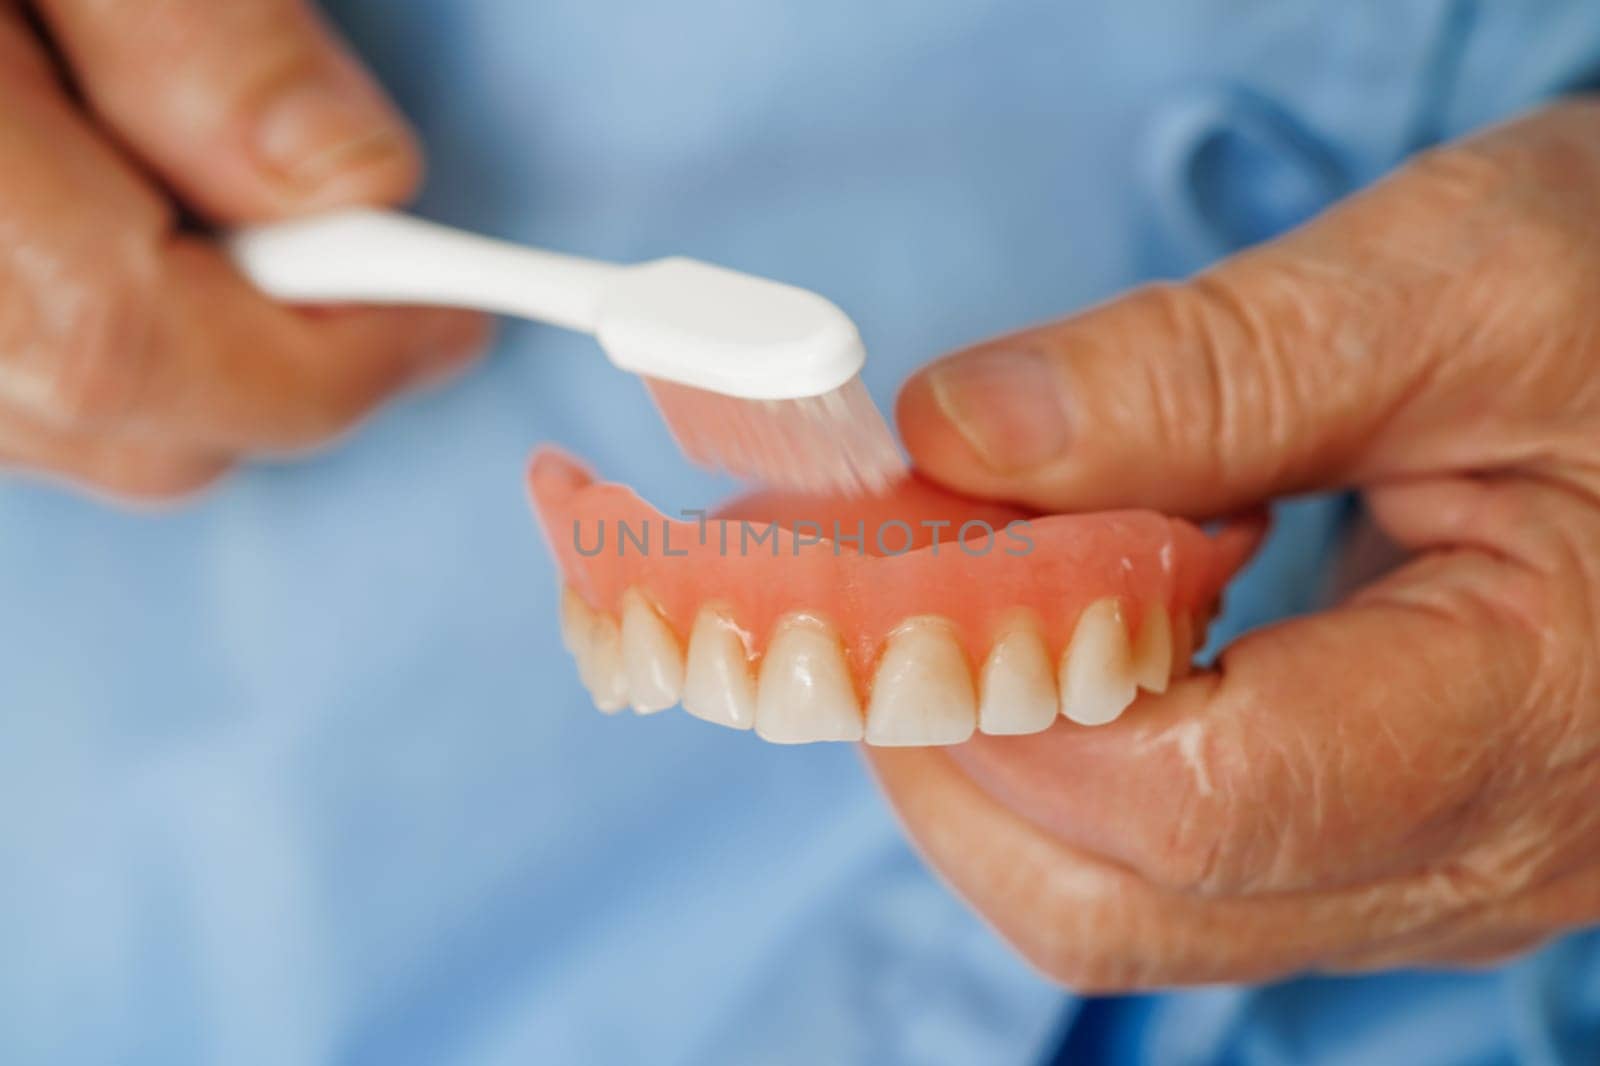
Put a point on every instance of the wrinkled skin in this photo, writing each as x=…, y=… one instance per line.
x=134, y=360
x=1412, y=777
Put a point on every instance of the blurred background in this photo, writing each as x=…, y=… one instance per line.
x=299, y=774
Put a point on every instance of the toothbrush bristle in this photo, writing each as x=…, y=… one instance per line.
x=835, y=442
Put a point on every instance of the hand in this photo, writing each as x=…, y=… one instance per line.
x=1410, y=778
x=133, y=359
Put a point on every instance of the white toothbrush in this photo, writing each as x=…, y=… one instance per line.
x=753, y=376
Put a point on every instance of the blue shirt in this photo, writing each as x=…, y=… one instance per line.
x=300, y=774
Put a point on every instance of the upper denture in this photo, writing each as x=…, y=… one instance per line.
x=944, y=629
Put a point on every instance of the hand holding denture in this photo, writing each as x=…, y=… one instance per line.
x=1410, y=778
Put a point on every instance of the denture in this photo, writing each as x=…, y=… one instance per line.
x=912, y=618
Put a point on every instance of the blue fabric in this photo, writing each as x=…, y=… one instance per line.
x=300, y=775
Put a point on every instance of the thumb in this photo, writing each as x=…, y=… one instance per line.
x=1198, y=398
x=249, y=109
x=1305, y=363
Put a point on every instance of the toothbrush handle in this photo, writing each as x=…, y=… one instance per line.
x=370, y=256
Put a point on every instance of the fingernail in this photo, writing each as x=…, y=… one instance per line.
x=1010, y=404
x=316, y=132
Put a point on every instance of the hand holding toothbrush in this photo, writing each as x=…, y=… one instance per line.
x=134, y=359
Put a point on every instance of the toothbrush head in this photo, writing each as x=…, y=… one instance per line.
x=752, y=376
x=837, y=442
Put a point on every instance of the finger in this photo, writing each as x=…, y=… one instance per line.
x=1315, y=361
x=1492, y=933
x=109, y=324
x=79, y=263
x=1096, y=927
x=126, y=468
x=1254, y=779
x=234, y=371
x=250, y=109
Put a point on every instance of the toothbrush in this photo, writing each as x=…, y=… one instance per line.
x=756, y=377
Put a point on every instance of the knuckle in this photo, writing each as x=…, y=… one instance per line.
x=1465, y=174
x=100, y=342
x=1232, y=342
x=1549, y=153
x=1193, y=326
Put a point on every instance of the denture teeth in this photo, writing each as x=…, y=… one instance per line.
x=804, y=692
x=1152, y=652
x=1097, y=681
x=650, y=656
x=717, y=685
x=1017, y=683
x=577, y=619
x=600, y=665
x=922, y=691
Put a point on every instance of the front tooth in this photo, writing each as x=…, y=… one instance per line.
x=650, y=655
x=576, y=621
x=717, y=685
x=804, y=693
x=600, y=665
x=922, y=692
x=1097, y=681
x=1018, y=685
x=1152, y=653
